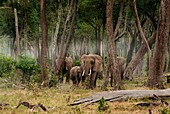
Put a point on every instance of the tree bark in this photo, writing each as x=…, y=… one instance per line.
x=158, y=62
x=132, y=46
x=137, y=58
x=54, y=41
x=60, y=59
x=44, y=29
x=111, y=44
x=122, y=95
x=17, y=36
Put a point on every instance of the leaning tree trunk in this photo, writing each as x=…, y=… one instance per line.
x=157, y=66
x=132, y=46
x=130, y=68
x=111, y=44
x=44, y=40
x=138, y=57
x=60, y=59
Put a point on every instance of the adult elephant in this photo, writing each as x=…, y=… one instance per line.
x=68, y=65
x=121, y=63
x=75, y=75
x=65, y=70
x=91, y=65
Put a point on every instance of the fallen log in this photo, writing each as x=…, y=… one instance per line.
x=122, y=95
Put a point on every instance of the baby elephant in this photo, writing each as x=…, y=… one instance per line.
x=75, y=74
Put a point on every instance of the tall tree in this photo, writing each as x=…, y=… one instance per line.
x=17, y=36
x=158, y=62
x=111, y=45
x=44, y=35
x=65, y=41
x=54, y=40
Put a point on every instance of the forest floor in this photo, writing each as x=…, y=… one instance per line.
x=57, y=100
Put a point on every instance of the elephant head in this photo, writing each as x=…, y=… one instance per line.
x=91, y=64
x=75, y=74
x=69, y=63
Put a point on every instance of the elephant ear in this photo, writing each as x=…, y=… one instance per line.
x=98, y=63
x=83, y=57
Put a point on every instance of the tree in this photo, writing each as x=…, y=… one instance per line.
x=158, y=62
x=44, y=34
x=17, y=36
x=64, y=46
x=111, y=46
x=54, y=40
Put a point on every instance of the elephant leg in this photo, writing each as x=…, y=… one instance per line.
x=78, y=79
x=68, y=77
x=111, y=80
x=93, y=80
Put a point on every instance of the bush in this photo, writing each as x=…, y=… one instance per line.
x=29, y=67
x=77, y=62
x=6, y=64
x=103, y=106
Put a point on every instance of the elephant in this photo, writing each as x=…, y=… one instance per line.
x=91, y=65
x=75, y=75
x=68, y=64
x=121, y=63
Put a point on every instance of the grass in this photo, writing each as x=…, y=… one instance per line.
x=57, y=100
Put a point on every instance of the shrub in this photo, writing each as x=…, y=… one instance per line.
x=6, y=64
x=103, y=105
x=77, y=62
x=28, y=66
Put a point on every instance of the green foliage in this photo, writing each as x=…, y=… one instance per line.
x=103, y=106
x=165, y=111
x=6, y=64
x=77, y=62
x=28, y=66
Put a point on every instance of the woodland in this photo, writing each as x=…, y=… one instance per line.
x=36, y=37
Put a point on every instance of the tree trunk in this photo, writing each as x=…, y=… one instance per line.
x=54, y=41
x=82, y=49
x=60, y=59
x=137, y=58
x=112, y=48
x=158, y=62
x=123, y=95
x=44, y=29
x=132, y=46
x=17, y=37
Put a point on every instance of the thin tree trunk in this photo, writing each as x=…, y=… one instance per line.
x=60, y=59
x=119, y=19
x=156, y=72
x=167, y=61
x=82, y=49
x=132, y=46
x=54, y=41
x=44, y=29
x=17, y=37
